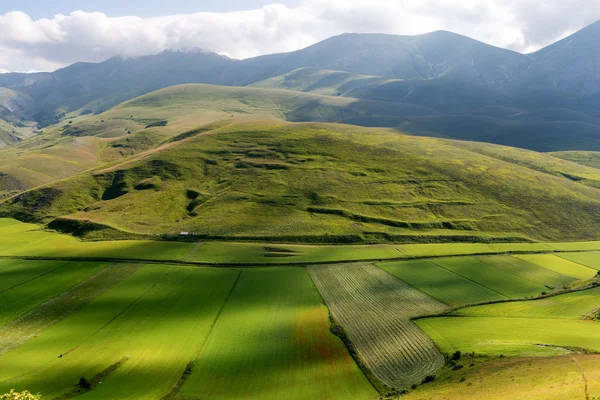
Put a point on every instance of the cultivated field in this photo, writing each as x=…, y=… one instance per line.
x=19, y=239
x=374, y=309
x=561, y=265
x=272, y=340
x=590, y=259
x=268, y=327
x=529, y=328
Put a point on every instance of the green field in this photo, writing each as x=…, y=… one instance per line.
x=470, y=280
x=374, y=309
x=560, y=265
x=442, y=284
x=272, y=340
x=26, y=284
x=529, y=328
x=158, y=317
x=162, y=317
x=505, y=284
x=591, y=259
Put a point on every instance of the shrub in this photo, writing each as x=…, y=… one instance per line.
x=428, y=379
x=157, y=123
x=456, y=356
x=84, y=383
x=24, y=395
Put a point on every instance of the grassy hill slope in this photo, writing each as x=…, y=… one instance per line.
x=87, y=141
x=272, y=180
x=589, y=158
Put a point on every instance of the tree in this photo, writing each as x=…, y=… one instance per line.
x=24, y=395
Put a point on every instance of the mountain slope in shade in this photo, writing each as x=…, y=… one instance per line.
x=571, y=65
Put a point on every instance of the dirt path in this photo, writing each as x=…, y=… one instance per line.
x=585, y=382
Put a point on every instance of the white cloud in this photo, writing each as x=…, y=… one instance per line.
x=46, y=44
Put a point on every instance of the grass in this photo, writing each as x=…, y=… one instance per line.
x=57, y=308
x=591, y=259
x=530, y=328
x=30, y=283
x=538, y=378
x=442, y=284
x=560, y=265
x=374, y=309
x=497, y=280
x=272, y=340
x=28, y=240
x=461, y=281
x=158, y=317
x=313, y=183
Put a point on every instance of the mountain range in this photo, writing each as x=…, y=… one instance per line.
x=548, y=100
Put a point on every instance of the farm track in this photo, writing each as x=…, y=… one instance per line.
x=396, y=351
x=279, y=264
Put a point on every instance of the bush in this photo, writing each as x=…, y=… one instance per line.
x=84, y=384
x=157, y=123
x=456, y=356
x=428, y=379
x=24, y=395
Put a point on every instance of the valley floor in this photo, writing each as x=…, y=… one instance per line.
x=176, y=320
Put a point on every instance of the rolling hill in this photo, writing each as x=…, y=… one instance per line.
x=306, y=182
x=88, y=141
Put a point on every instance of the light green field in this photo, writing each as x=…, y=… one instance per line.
x=560, y=265
x=446, y=286
x=272, y=340
x=528, y=328
x=497, y=280
x=470, y=280
x=28, y=240
x=26, y=284
x=158, y=317
x=374, y=309
x=591, y=259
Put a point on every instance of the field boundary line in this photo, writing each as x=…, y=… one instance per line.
x=592, y=285
x=37, y=277
x=280, y=264
x=578, y=263
x=189, y=367
x=469, y=279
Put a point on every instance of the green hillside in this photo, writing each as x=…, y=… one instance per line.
x=273, y=180
x=84, y=142
x=589, y=158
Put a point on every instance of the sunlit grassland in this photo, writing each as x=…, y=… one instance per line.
x=589, y=259
x=560, y=265
x=26, y=284
x=272, y=340
x=471, y=280
x=159, y=318
x=529, y=328
x=538, y=378
x=313, y=183
x=29, y=240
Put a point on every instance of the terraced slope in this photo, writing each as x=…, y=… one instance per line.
x=374, y=308
x=315, y=183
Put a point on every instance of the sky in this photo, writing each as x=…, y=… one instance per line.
x=42, y=35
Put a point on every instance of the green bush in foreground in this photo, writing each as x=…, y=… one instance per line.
x=24, y=395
